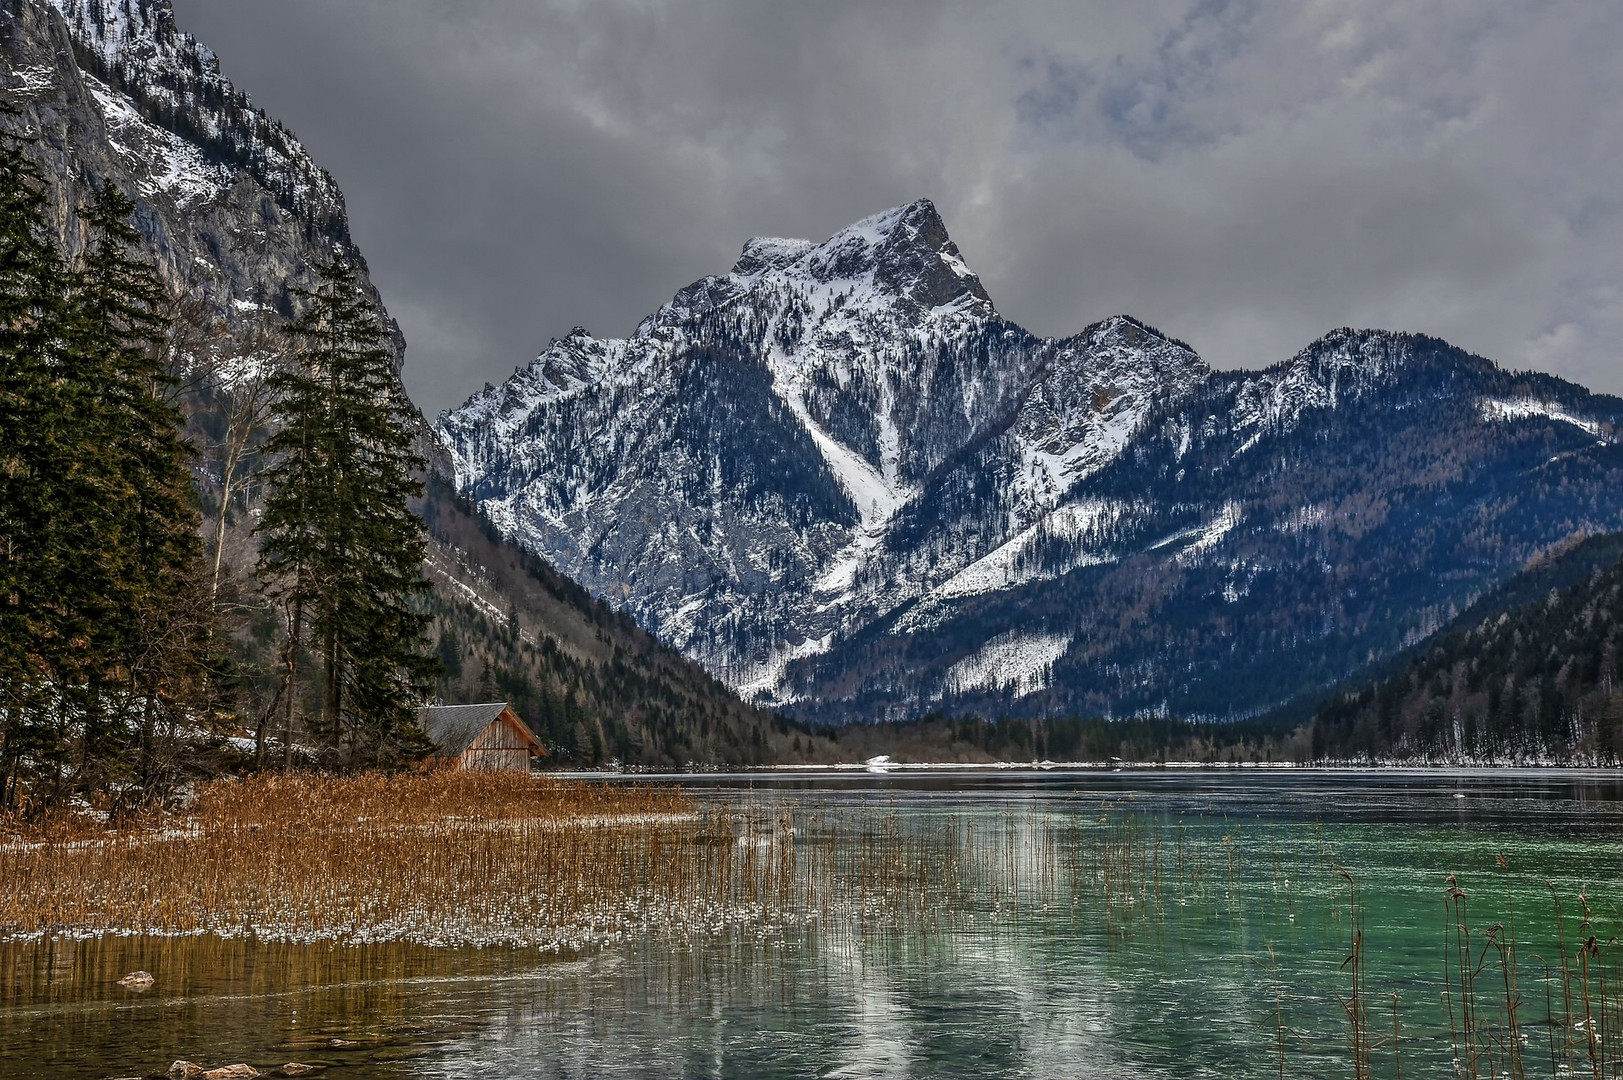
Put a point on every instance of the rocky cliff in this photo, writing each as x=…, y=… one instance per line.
x=235, y=213
x=234, y=210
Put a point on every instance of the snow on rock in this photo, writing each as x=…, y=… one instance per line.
x=1013, y=661
x=162, y=161
x=1332, y=371
x=134, y=45
x=1093, y=398
x=842, y=435
x=883, y=357
x=30, y=80
x=858, y=339
x=764, y=679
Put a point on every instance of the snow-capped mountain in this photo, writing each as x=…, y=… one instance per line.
x=838, y=478
x=736, y=470
x=235, y=213
x=233, y=208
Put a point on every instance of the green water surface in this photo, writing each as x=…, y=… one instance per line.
x=1137, y=924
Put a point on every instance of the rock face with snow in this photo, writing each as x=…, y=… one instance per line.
x=839, y=479
x=232, y=207
x=236, y=213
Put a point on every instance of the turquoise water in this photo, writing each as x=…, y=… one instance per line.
x=1134, y=924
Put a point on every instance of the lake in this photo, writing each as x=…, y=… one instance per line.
x=1142, y=923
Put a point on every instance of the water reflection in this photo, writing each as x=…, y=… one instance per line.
x=1115, y=925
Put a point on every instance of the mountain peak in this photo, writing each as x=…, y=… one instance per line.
x=905, y=250
x=1377, y=354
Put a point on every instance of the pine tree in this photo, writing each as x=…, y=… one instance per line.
x=99, y=642
x=32, y=636
x=134, y=511
x=342, y=549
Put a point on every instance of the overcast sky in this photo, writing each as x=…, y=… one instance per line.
x=1244, y=175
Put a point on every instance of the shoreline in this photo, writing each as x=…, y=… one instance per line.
x=1066, y=767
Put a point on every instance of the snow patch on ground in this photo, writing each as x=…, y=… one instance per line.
x=467, y=592
x=876, y=499
x=766, y=677
x=1192, y=543
x=1013, y=563
x=1302, y=519
x=1212, y=534
x=1500, y=409
x=1023, y=662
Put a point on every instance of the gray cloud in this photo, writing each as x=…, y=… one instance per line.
x=1244, y=174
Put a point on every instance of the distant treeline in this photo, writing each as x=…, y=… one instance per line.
x=948, y=739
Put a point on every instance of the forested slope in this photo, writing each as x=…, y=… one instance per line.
x=233, y=214
x=591, y=684
x=1529, y=673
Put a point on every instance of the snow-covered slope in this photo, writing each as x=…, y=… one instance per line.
x=134, y=47
x=734, y=472
x=838, y=478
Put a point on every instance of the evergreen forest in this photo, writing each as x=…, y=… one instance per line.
x=115, y=659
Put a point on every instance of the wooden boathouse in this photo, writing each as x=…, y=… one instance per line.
x=485, y=736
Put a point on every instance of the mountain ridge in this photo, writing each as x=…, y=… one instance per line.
x=979, y=461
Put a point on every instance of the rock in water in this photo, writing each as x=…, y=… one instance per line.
x=232, y=1072
x=137, y=980
x=298, y=1068
x=185, y=1070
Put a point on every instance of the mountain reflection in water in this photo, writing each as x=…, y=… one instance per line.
x=1112, y=925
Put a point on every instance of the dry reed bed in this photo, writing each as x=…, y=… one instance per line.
x=438, y=857
x=489, y=858
x=453, y=858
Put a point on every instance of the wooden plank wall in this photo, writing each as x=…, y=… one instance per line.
x=499, y=746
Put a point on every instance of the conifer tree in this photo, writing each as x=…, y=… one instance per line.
x=136, y=568
x=99, y=644
x=32, y=636
x=342, y=550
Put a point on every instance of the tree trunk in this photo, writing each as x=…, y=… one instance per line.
x=330, y=695
x=296, y=625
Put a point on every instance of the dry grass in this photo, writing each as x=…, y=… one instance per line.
x=490, y=858
x=477, y=859
x=444, y=856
